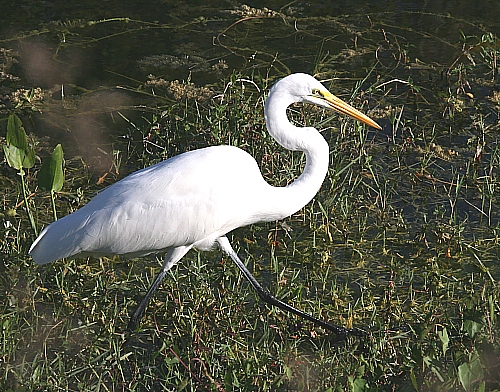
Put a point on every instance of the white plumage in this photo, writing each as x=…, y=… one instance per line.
x=177, y=202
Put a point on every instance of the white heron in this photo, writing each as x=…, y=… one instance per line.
x=194, y=199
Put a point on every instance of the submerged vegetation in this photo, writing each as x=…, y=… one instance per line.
x=402, y=240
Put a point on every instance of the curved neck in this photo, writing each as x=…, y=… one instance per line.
x=288, y=200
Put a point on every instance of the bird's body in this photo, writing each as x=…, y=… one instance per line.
x=161, y=207
x=196, y=198
x=138, y=211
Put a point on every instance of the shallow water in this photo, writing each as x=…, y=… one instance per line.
x=199, y=34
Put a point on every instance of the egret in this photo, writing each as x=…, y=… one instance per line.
x=194, y=199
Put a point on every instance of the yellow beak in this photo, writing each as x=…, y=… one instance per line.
x=340, y=106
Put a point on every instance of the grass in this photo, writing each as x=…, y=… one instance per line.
x=402, y=240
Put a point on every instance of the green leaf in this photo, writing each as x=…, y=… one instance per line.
x=18, y=153
x=358, y=384
x=413, y=379
x=14, y=156
x=51, y=175
x=445, y=340
x=472, y=327
x=470, y=373
x=16, y=135
x=29, y=158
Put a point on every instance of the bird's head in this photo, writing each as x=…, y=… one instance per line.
x=305, y=88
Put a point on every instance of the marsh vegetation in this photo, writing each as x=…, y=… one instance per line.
x=402, y=239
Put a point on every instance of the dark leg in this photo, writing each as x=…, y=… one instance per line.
x=171, y=258
x=267, y=297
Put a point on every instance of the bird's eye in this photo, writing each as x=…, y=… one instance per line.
x=317, y=92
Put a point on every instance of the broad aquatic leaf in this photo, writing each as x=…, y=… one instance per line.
x=14, y=156
x=473, y=321
x=51, y=175
x=16, y=135
x=470, y=373
x=29, y=158
x=472, y=327
x=358, y=384
x=18, y=153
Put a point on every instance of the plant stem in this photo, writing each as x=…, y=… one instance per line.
x=52, y=200
x=28, y=211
